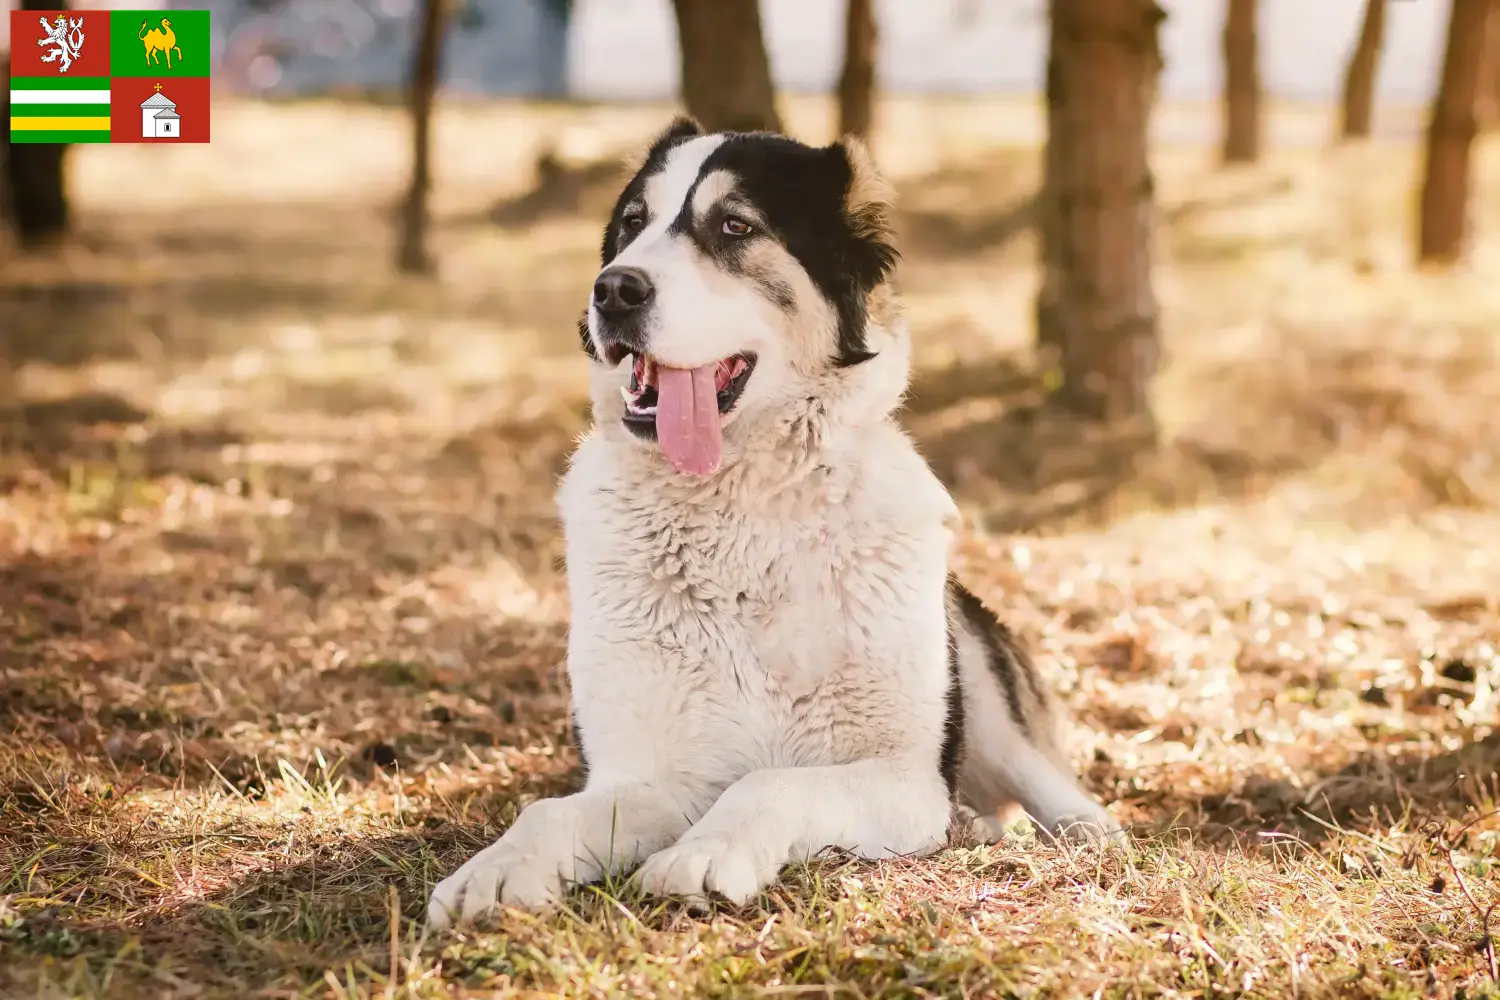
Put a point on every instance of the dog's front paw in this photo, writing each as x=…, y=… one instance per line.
x=498, y=875
x=731, y=865
x=530, y=867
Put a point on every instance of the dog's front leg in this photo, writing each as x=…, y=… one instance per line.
x=557, y=842
x=874, y=808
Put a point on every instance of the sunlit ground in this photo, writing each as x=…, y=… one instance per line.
x=281, y=607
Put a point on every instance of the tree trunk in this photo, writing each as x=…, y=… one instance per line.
x=1450, y=132
x=857, y=81
x=1494, y=55
x=413, y=256
x=726, y=74
x=35, y=184
x=1241, y=84
x=1096, y=311
x=1489, y=81
x=1359, y=79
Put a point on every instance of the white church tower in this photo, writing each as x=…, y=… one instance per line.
x=159, y=118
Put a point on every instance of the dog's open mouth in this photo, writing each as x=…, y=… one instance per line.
x=684, y=408
x=730, y=378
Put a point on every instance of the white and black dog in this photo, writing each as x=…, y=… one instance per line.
x=768, y=656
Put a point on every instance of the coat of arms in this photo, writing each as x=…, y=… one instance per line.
x=66, y=38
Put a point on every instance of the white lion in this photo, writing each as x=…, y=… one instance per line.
x=67, y=37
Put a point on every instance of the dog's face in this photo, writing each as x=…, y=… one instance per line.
x=739, y=271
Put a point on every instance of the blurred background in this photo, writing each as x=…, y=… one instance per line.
x=1205, y=298
x=1303, y=154
x=627, y=50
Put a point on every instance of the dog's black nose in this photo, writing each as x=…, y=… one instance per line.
x=621, y=290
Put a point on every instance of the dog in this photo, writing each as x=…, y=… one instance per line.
x=768, y=656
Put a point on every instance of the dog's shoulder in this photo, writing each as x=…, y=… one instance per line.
x=894, y=483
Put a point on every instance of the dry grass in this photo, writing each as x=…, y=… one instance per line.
x=281, y=612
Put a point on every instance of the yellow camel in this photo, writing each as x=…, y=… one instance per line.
x=159, y=40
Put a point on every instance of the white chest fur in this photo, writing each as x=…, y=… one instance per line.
x=739, y=633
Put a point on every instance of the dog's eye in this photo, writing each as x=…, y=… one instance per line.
x=633, y=222
x=735, y=226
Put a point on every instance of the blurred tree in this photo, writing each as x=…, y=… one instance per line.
x=1241, y=84
x=1489, y=81
x=726, y=74
x=36, y=175
x=412, y=255
x=1494, y=56
x=857, y=81
x=1096, y=310
x=1450, y=133
x=1359, y=78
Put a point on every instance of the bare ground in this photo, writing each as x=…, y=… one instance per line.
x=281, y=612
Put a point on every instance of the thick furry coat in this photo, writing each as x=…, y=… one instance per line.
x=767, y=658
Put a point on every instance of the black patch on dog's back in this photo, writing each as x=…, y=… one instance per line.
x=950, y=759
x=575, y=736
x=1004, y=655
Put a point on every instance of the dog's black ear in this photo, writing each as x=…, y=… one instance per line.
x=868, y=242
x=869, y=203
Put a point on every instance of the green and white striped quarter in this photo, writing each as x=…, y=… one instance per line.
x=59, y=109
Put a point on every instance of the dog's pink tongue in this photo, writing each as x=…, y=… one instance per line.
x=687, y=419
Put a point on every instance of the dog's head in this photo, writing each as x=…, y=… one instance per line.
x=744, y=286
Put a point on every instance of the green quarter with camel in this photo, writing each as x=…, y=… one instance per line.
x=159, y=43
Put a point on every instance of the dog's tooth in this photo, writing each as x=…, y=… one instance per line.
x=625, y=395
